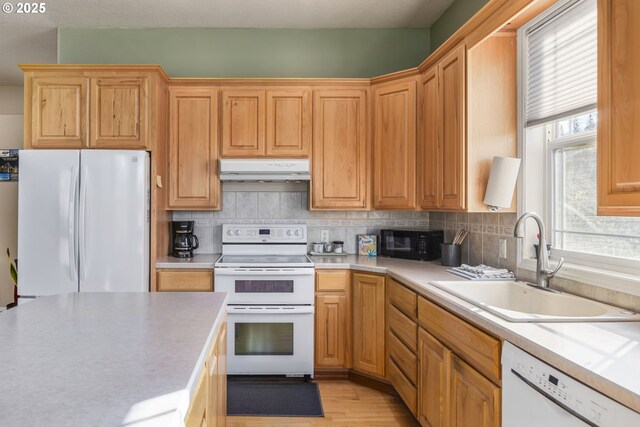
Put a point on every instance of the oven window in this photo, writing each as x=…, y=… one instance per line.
x=264, y=339
x=264, y=286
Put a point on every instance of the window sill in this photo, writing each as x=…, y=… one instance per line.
x=595, y=276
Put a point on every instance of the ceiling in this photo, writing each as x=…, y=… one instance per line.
x=32, y=38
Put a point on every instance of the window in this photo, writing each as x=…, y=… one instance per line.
x=558, y=78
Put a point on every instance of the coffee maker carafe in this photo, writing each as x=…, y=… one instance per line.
x=183, y=240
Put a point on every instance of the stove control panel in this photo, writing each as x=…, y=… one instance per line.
x=264, y=233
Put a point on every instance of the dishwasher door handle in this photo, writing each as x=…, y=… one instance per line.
x=554, y=400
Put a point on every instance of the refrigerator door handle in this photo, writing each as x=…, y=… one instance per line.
x=82, y=224
x=73, y=249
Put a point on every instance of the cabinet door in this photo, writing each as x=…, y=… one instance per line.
x=618, y=108
x=369, y=324
x=451, y=80
x=183, y=280
x=332, y=329
x=193, y=149
x=394, y=146
x=474, y=400
x=243, y=122
x=58, y=112
x=429, y=162
x=288, y=123
x=119, y=115
x=339, y=178
x=196, y=414
x=433, y=381
x=222, y=378
x=213, y=382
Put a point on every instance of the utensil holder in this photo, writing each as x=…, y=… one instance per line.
x=451, y=254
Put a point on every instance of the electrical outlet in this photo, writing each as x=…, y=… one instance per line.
x=503, y=248
x=324, y=235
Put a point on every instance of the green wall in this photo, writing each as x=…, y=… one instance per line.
x=208, y=52
x=452, y=19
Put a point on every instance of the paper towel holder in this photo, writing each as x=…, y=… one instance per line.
x=502, y=182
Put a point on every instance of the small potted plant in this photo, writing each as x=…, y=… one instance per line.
x=13, y=271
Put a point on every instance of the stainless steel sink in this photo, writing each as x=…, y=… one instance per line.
x=520, y=302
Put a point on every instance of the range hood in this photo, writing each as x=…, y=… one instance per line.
x=264, y=170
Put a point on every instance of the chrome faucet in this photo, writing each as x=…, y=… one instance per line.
x=543, y=274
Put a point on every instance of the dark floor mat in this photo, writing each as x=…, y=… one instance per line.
x=273, y=398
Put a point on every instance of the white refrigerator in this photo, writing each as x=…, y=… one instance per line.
x=83, y=221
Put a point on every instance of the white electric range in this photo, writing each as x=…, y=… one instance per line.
x=270, y=283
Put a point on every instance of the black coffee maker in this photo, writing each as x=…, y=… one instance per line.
x=183, y=241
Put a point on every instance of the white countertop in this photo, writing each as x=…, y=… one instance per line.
x=605, y=356
x=198, y=261
x=104, y=359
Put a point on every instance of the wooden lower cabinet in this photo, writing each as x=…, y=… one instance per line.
x=435, y=359
x=332, y=321
x=184, y=280
x=459, y=372
x=217, y=382
x=331, y=330
x=208, y=407
x=369, y=324
x=473, y=399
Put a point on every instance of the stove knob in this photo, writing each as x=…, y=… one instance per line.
x=229, y=232
x=237, y=232
x=288, y=232
x=297, y=232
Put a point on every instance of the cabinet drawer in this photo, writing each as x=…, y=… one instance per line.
x=477, y=348
x=404, y=358
x=404, y=299
x=185, y=281
x=403, y=386
x=332, y=280
x=405, y=328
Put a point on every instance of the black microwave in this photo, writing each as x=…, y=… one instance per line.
x=411, y=244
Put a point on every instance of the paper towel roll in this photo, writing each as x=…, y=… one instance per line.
x=502, y=182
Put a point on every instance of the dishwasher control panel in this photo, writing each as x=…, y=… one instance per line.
x=581, y=401
x=558, y=387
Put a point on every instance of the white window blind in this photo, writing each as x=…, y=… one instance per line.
x=561, y=73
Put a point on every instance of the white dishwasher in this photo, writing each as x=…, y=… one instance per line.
x=535, y=394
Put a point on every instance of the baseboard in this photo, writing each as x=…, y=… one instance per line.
x=331, y=373
x=372, y=382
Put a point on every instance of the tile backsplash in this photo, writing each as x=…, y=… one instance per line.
x=260, y=207
x=485, y=231
x=480, y=247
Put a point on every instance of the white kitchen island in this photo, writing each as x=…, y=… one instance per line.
x=105, y=359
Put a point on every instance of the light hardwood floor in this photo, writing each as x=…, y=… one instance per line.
x=345, y=404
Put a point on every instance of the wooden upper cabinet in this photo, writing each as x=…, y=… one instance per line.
x=58, y=113
x=618, y=108
x=452, y=79
x=433, y=381
x=243, y=122
x=340, y=149
x=193, y=148
x=394, y=172
x=369, y=324
x=429, y=165
x=119, y=113
x=474, y=400
x=288, y=123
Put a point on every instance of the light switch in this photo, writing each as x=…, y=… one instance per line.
x=503, y=248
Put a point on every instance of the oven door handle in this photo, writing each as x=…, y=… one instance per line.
x=249, y=309
x=264, y=272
